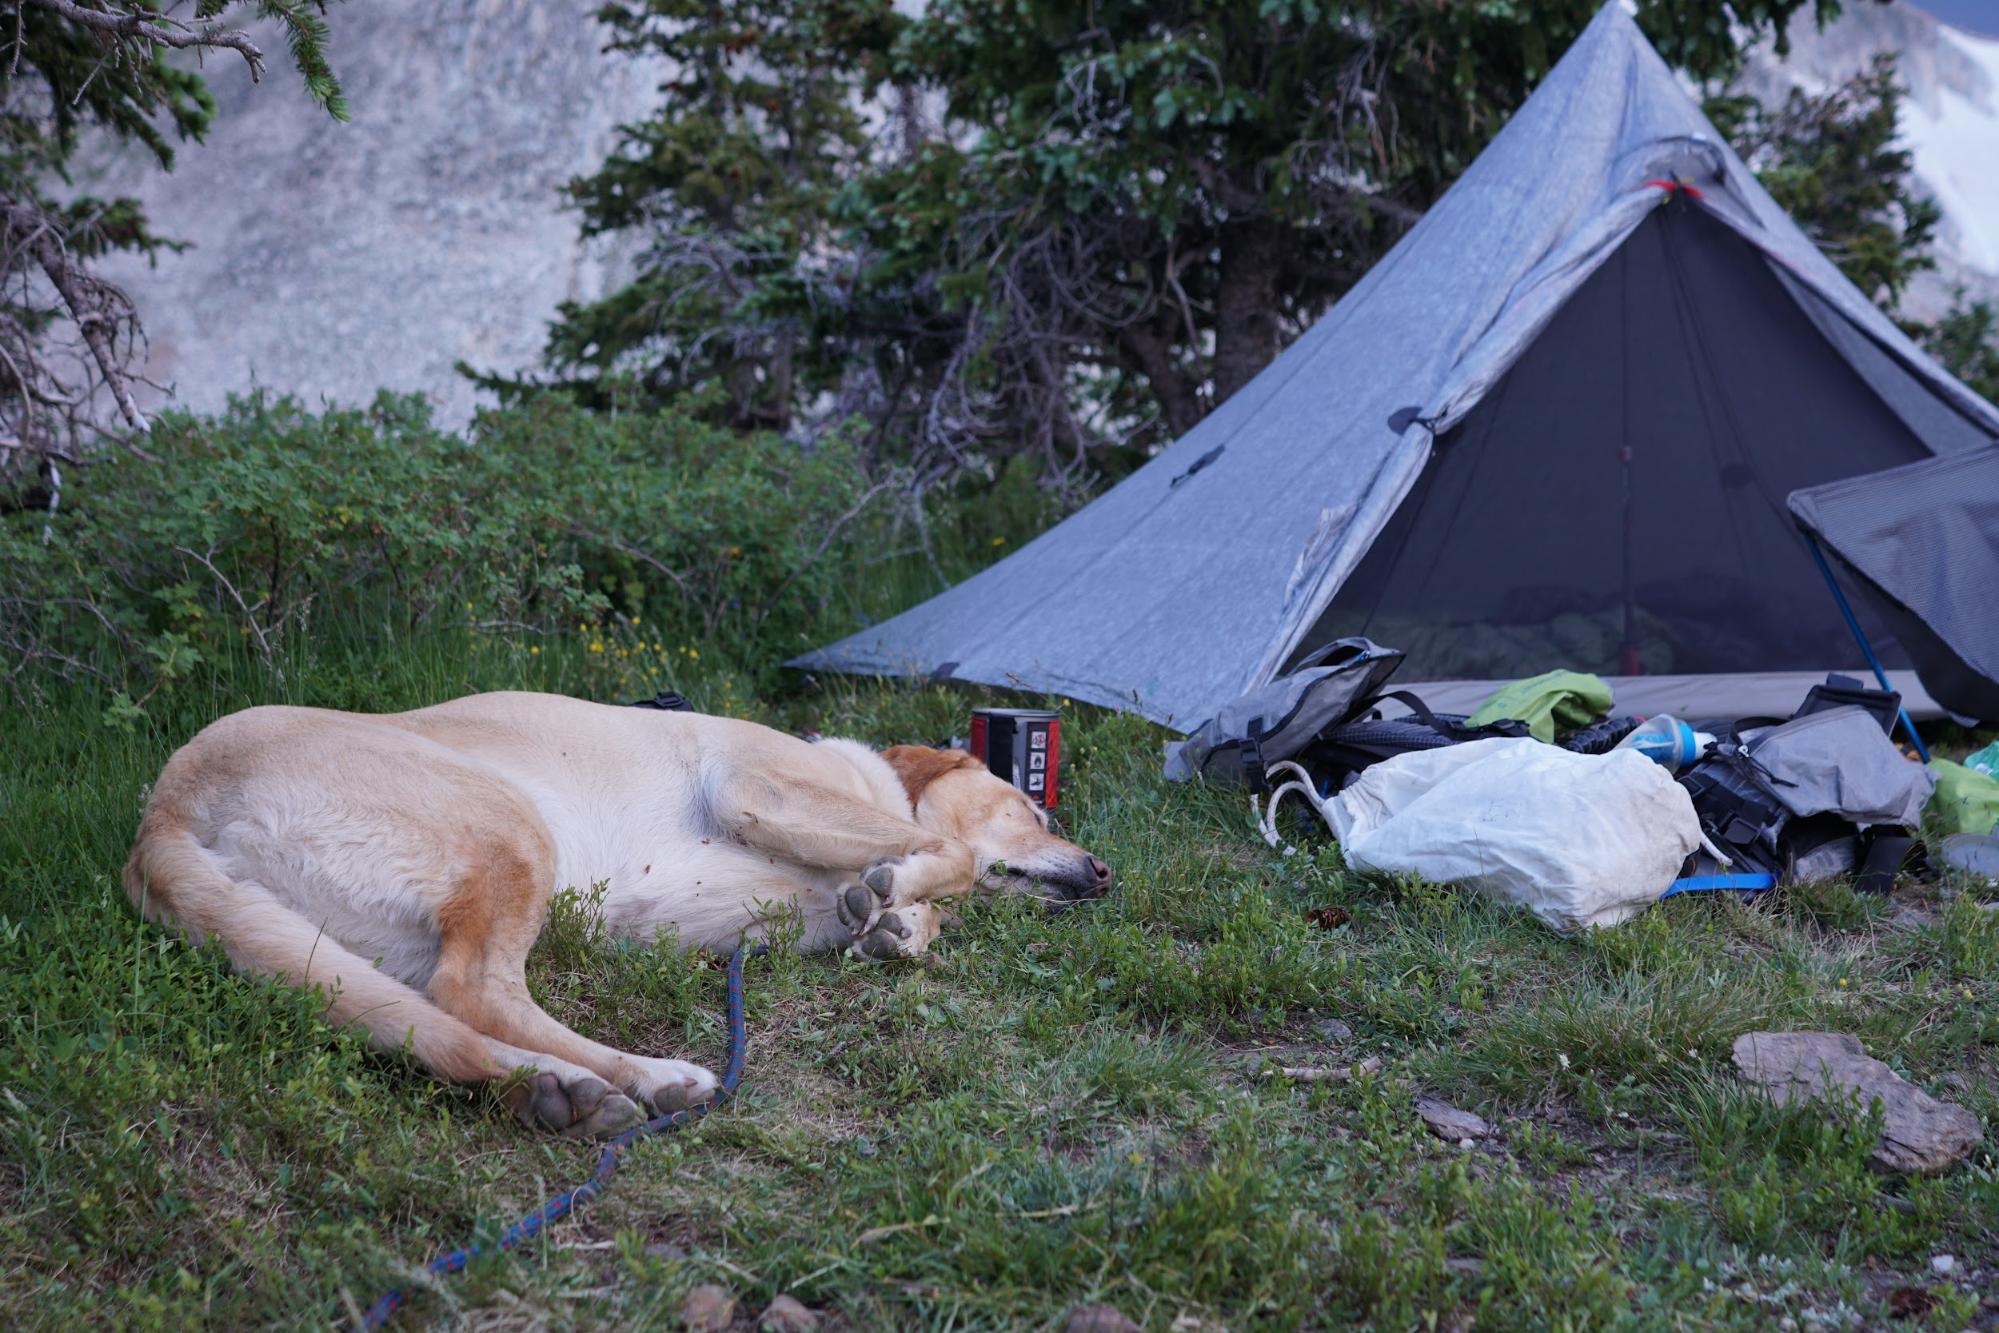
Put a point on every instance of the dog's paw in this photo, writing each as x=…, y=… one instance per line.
x=577, y=1108
x=900, y=932
x=673, y=1085
x=860, y=906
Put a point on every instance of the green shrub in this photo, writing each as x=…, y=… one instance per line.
x=254, y=525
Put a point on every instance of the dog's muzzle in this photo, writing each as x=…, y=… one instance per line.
x=1058, y=888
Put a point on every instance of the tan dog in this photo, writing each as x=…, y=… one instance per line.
x=404, y=863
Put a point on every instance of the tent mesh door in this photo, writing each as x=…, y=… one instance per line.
x=1618, y=499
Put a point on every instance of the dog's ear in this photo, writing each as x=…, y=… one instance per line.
x=918, y=766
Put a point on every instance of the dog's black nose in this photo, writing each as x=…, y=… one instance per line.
x=1103, y=874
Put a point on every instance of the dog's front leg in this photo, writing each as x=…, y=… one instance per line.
x=904, y=931
x=898, y=869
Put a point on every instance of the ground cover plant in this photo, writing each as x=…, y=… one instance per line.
x=1053, y=1109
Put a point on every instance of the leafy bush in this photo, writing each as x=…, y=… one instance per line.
x=255, y=524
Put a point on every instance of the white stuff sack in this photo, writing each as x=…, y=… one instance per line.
x=1579, y=840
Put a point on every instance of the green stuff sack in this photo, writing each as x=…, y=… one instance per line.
x=1984, y=761
x=1966, y=801
x=1550, y=704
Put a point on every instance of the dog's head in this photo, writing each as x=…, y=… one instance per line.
x=955, y=795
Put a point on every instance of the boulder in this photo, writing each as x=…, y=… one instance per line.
x=1920, y=1135
x=1448, y=1122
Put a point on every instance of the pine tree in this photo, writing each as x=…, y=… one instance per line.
x=67, y=336
x=1078, y=224
x=1966, y=341
x=1831, y=161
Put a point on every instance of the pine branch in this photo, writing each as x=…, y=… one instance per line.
x=157, y=29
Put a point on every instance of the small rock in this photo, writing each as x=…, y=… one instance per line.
x=785, y=1314
x=1920, y=1135
x=1907, y=917
x=709, y=1308
x=1099, y=1319
x=1449, y=1123
x=1911, y=1302
x=665, y=1251
x=1943, y=1263
x=1335, y=1031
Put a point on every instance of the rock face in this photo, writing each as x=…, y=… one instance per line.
x=335, y=259
x=332, y=260
x=1950, y=124
x=1920, y=1135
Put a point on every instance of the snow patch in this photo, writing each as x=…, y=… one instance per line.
x=1956, y=152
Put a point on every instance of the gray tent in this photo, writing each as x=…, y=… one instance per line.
x=1554, y=427
x=1921, y=543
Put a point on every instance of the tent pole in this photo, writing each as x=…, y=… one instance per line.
x=1866, y=648
x=1627, y=652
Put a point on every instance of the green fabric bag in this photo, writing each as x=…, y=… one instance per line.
x=1985, y=760
x=1556, y=701
x=1966, y=801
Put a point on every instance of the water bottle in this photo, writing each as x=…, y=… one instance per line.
x=1666, y=740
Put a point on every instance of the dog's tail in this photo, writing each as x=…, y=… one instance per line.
x=174, y=881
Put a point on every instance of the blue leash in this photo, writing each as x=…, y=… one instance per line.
x=530, y=1226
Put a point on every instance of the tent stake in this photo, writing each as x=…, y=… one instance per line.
x=1860, y=637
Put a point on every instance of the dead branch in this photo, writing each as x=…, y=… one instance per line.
x=94, y=305
x=1326, y=1073
x=826, y=541
x=249, y=615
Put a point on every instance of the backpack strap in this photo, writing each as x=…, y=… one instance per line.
x=1456, y=731
x=1414, y=704
x=667, y=701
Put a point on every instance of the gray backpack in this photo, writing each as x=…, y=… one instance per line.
x=1277, y=721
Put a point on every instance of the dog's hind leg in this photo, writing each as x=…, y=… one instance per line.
x=487, y=928
x=174, y=881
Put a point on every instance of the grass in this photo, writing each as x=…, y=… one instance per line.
x=1054, y=1109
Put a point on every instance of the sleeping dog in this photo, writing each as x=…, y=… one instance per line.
x=403, y=863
